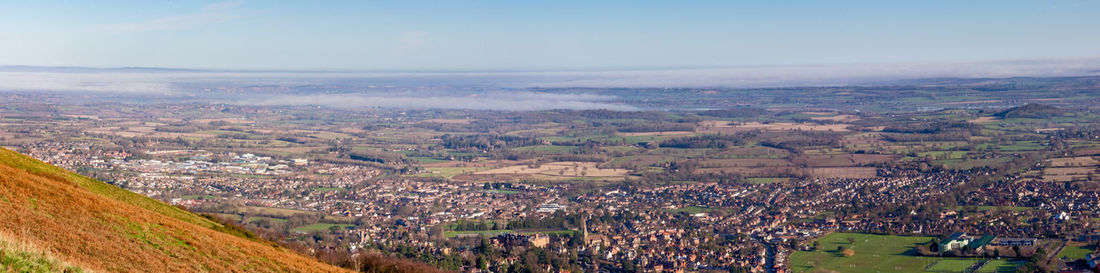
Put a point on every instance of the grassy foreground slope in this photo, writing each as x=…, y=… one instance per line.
x=100, y=227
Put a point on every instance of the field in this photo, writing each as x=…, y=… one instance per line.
x=1067, y=174
x=873, y=253
x=559, y=169
x=694, y=210
x=1073, y=252
x=1081, y=161
x=1000, y=266
x=319, y=227
x=449, y=172
x=951, y=265
x=766, y=180
x=851, y=172
x=273, y=212
x=720, y=126
x=475, y=233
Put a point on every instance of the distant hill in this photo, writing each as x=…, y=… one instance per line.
x=1033, y=110
x=55, y=220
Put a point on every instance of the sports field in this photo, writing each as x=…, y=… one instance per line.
x=1000, y=266
x=874, y=253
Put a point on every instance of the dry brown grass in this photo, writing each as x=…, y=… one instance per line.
x=1080, y=161
x=112, y=233
x=983, y=120
x=1068, y=174
x=843, y=160
x=746, y=171
x=849, y=172
x=744, y=162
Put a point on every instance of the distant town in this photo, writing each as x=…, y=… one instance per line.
x=987, y=182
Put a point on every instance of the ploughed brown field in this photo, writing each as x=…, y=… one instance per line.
x=102, y=228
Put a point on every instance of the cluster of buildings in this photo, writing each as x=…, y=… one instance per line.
x=679, y=227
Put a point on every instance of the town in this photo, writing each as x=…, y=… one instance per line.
x=738, y=190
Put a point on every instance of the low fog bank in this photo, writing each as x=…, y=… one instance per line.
x=512, y=101
x=482, y=90
x=823, y=75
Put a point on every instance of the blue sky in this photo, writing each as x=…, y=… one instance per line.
x=539, y=35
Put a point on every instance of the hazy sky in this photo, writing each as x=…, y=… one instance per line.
x=539, y=35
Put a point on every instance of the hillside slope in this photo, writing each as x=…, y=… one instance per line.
x=100, y=227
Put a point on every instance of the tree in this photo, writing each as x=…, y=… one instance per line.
x=482, y=263
x=848, y=252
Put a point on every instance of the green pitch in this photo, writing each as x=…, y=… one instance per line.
x=874, y=254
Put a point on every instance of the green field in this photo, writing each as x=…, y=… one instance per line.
x=427, y=160
x=1000, y=266
x=989, y=208
x=952, y=265
x=258, y=218
x=449, y=172
x=324, y=189
x=490, y=233
x=319, y=227
x=874, y=253
x=273, y=212
x=765, y=180
x=694, y=209
x=1074, y=252
x=197, y=197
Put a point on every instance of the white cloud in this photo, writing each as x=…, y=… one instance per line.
x=210, y=14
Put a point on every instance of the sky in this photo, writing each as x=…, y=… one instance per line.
x=540, y=35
